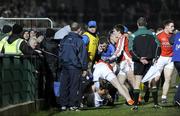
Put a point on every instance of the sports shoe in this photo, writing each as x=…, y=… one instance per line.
x=157, y=106
x=74, y=109
x=135, y=108
x=63, y=108
x=164, y=101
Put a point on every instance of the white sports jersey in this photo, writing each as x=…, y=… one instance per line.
x=102, y=70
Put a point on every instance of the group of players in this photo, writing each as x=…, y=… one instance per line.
x=125, y=57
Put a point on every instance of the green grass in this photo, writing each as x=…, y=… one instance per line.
x=115, y=112
x=120, y=109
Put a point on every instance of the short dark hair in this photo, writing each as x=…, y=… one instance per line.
x=6, y=29
x=167, y=22
x=142, y=21
x=50, y=32
x=75, y=26
x=103, y=39
x=17, y=29
x=119, y=27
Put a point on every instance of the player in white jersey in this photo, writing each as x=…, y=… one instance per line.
x=104, y=70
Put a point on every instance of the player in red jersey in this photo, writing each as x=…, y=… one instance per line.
x=164, y=61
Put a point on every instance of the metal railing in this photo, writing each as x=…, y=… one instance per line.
x=26, y=19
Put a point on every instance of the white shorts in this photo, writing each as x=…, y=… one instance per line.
x=164, y=62
x=101, y=70
x=125, y=67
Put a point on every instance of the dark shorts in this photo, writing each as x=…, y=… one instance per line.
x=141, y=69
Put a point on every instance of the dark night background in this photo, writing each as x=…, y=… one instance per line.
x=106, y=12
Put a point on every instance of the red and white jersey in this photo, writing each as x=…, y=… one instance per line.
x=126, y=53
x=119, y=46
x=166, y=48
x=122, y=46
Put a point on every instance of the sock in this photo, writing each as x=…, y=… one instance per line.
x=131, y=93
x=155, y=95
x=146, y=96
x=136, y=96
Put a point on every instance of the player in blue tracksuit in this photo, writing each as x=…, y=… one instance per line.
x=175, y=41
x=73, y=59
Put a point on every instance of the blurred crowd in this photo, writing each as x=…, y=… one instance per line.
x=107, y=14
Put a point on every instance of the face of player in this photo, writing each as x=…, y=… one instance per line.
x=170, y=27
x=113, y=38
x=116, y=33
x=104, y=46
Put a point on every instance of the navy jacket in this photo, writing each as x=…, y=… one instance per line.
x=175, y=40
x=72, y=52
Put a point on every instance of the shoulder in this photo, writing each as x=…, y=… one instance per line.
x=150, y=32
x=111, y=47
x=177, y=35
x=85, y=37
x=160, y=34
x=133, y=35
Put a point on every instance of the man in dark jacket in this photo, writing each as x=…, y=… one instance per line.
x=143, y=46
x=73, y=58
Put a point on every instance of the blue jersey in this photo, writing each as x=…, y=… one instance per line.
x=109, y=52
x=176, y=47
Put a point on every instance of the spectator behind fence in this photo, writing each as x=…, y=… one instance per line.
x=25, y=35
x=32, y=33
x=16, y=45
x=50, y=48
x=73, y=58
x=33, y=42
x=4, y=35
x=7, y=30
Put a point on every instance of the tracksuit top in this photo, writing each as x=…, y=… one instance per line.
x=176, y=48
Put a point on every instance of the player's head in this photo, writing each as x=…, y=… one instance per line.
x=141, y=22
x=118, y=30
x=103, y=43
x=168, y=25
x=112, y=38
x=76, y=27
x=92, y=26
